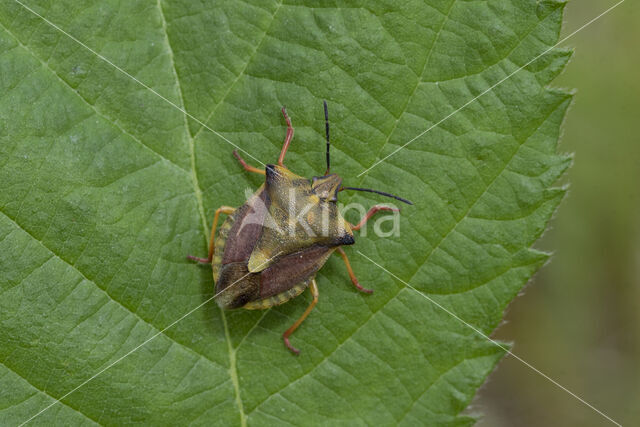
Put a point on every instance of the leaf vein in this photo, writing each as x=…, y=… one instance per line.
x=242, y=72
x=47, y=394
x=480, y=196
x=95, y=109
x=325, y=358
x=419, y=79
x=73, y=267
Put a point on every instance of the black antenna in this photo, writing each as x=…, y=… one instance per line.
x=326, y=129
x=382, y=193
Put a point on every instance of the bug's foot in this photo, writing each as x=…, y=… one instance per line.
x=361, y=289
x=289, y=346
x=197, y=259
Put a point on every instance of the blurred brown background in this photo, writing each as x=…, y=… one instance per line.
x=579, y=319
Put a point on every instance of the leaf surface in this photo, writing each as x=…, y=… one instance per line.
x=105, y=187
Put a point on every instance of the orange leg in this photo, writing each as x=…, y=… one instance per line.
x=246, y=166
x=313, y=287
x=353, y=277
x=222, y=209
x=287, y=139
x=372, y=212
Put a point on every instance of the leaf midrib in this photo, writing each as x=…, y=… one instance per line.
x=233, y=371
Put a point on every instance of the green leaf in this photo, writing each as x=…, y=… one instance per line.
x=105, y=188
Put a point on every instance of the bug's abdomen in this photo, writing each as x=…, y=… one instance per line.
x=220, y=243
x=278, y=299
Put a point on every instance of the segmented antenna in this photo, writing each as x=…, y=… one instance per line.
x=382, y=193
x=326, y=129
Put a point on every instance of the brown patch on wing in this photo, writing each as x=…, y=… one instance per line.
x=236, y=286
x=247, y=228
x=292, y=269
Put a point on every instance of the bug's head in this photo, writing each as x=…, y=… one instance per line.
x=326, y=187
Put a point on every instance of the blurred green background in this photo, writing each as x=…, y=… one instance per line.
x=579, y=319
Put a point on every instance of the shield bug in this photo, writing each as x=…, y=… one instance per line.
x=269, y=250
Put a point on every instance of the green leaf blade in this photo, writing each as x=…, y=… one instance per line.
x=105, y=186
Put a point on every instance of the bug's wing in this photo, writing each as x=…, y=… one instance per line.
x=246, y=229
x=236, y=286
x=296, y=220
x=292, y=270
